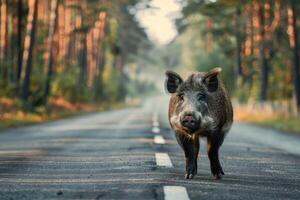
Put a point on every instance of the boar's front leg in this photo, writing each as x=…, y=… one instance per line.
x=190, y=146
x=213, y=144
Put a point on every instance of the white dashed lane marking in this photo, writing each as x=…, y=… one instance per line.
x=155, y=130
x=154, y=118
x=158, y=139
x=163, y=160
x=175, y=192
x=155, y=124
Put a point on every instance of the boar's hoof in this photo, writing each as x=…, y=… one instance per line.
x=218, y=174
x=191, y=169
x=189, y=176
x=217, y=171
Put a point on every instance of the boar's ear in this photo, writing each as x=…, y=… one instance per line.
x=172, y=81
x=210, y=79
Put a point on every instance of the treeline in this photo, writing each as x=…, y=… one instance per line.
x=74, y=49
x=257, y=41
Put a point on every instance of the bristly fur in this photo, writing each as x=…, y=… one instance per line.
x=219, y=103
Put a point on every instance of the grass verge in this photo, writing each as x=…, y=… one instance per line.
x=288, y=124
x=11, y=114
x=269, y=119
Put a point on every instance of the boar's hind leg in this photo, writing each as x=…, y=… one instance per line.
x=196, y=151
x=190, y=147
x=213, y=145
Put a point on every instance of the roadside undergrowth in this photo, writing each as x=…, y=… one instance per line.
x=283, y=121
x=12, y=115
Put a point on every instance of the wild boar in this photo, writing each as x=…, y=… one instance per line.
x=199, y=107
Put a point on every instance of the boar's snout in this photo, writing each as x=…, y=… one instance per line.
x=190, y=121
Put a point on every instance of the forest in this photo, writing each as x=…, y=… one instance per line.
x=68, y=51
x=256, y=42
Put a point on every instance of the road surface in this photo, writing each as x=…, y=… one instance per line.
x=113, y=155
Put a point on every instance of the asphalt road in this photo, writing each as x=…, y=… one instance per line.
x=113, y=155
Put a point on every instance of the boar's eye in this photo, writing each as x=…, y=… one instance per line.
x=180, y=97
x=201, y=96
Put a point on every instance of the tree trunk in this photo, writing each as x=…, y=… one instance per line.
x=238, y=43
x=100, y=57
x=3, y=31
x=28, y=47
x=4, y=39
x=252, y=9
x=13, y=44
x=295, y=47
x=263, y=58
x=82, y=59
x=19, y=40
x=53, y=15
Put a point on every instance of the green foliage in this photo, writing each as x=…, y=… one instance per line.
x=204, y=61
x=137, y=88
x=114, y=86
x=65, y=84
x=37, y=82
x=280, y=83
x=8, y=87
